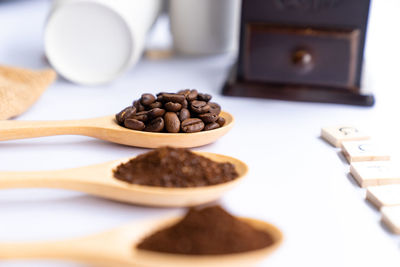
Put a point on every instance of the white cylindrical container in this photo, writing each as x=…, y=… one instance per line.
x=205, y=26
x=93, y=41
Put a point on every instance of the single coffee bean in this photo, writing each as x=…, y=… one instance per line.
x=156, y=125
x=156, y=104
x=221, y=121
x=204, y=97
x=185, y=104
x=184, y=114
x=176, y=98
x=141, y=116
x=131, y=115
x=134, y=124
x=174, y=107
x=155, y=112
x=211, y=126
x=192, y=95
x=214, y=108
x=139, y=107
x=172, y=122
x=208, y=117
x=192, y=125
x=121, y=116
x=147, y=99
x=184, y=92
x=159, y=96
x=200, y=106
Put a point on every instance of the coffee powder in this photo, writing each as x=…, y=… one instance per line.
x=207, y=231
x=174, y=167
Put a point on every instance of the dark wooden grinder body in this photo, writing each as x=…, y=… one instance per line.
x=305, y=50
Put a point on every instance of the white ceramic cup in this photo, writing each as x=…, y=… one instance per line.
x=93, y=41
x=205, y=26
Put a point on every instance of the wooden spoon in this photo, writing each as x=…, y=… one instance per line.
x=106, y=128
x=98, y=180
x=118, y=248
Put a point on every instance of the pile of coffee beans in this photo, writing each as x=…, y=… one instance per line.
x=187, y=111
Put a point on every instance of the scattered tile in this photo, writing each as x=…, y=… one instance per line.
x=385, y=195
x=337, y=134
x=355, y=151
x=391, y=218
x=373, y=173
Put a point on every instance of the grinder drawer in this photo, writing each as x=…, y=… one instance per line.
x=306, y=56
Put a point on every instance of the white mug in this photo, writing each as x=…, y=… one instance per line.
x=93, y=41
x=205, y=26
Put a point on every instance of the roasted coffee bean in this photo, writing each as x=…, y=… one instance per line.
x=185, y=104
x=176, y=98
x=184, y=92
x=155, y=112
x=184, y=114
x=221, y=121
x=204, y=97
x=200, y=107
x=134, y=124
x=120, y=117
x=139, y=107
x=192, y=125
x=208, y=117
x=161, y=93
x=132, y=115
x=141, y=116
x=211, y=126
x=156, y=125
x=172, y=122
x=159, y=96
x=214, y=108
x=156, y=104
x=174, y=107
x=147, y=99
x=188, y=105
x=192, y=95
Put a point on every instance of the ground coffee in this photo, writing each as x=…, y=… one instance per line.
x=174, y=167
x=207, y=231
x=187, y=111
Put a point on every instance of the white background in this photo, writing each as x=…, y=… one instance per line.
x=296, y=180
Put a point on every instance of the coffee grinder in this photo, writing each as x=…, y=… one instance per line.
x=303, y=50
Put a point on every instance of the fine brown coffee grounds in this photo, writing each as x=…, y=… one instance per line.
x=174, y=167
x=207, y=231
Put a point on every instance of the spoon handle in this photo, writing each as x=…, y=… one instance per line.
x=100, y=249
x=34, y=179
x=85, y=249
x=37, y=250
x=11, y=130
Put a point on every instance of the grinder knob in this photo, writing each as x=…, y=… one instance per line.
x=302, y=59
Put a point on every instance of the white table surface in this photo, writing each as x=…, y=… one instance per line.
x=296, y=180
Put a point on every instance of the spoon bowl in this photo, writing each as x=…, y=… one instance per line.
x=245, y=259
x=106, y=128
x=98, y=180
x=118, y=248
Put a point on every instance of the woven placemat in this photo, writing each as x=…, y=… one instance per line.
x=21, y=88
